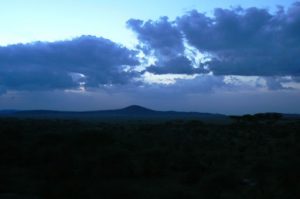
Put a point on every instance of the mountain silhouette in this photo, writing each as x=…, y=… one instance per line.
x=137, y=109
x=133, y=112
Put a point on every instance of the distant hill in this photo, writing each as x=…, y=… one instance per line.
x=7, y=112
x=133, y=112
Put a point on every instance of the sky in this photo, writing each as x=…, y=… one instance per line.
x=215, y=56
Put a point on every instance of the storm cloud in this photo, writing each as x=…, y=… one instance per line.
x=65, y=64
x=238, y=41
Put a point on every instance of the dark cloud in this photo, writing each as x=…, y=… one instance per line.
x=247, y=42
x=296, y=79
x=163, y=40
x=177, y=65
x=160, y=36
x=228, y=29
x=49, y=66
x=274, y=83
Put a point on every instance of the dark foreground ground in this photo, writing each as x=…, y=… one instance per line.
x=59, y=159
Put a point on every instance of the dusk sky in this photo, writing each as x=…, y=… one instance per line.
x=212, y=56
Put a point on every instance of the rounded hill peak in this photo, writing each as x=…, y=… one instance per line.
x=136, y=108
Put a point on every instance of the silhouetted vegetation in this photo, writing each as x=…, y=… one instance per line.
x=259, y=117
x=175, y=159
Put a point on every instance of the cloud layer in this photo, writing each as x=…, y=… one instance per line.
x=163, y=40
x=65, y=64
x=230, y=42
x=247, y=42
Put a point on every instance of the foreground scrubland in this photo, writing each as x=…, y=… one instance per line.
x=139, y=159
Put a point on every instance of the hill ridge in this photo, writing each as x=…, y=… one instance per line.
x=132, y=112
